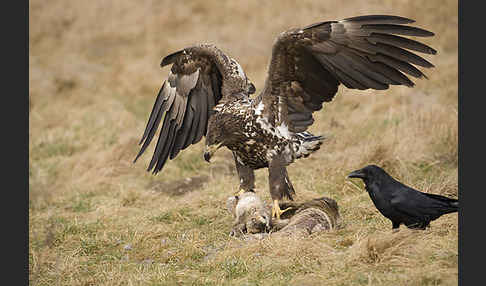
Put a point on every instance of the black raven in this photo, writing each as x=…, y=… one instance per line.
x=402, y=204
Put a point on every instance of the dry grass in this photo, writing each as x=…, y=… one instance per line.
x=97, y=219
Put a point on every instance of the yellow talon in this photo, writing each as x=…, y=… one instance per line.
x=276, y=211
x=240, y=193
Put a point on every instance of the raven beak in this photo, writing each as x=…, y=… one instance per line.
x=210, y=150
x=356, y=174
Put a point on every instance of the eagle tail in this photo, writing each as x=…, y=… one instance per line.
x=306, y=144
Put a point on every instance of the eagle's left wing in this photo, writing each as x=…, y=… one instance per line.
x=308, y=64
x=201, y=76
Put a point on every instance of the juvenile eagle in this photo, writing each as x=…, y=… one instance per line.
x=207, y=93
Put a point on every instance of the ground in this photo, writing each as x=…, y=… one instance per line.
x=97, y=219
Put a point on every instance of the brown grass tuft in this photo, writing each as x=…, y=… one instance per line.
x=95, y=218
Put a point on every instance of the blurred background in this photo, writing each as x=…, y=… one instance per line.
x=94, y=74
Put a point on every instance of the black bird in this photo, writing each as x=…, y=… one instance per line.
x=400, y=203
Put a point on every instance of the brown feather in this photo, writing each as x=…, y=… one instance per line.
x=360, y=52
x=400, y=42
x=379, y=19
x=397, y=29
x=203, y=115
x=306, y=69
x=397, y=65
x=192, y=89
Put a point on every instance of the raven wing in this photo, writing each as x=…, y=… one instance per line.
x=416, y=206
x=200, y=77
x=308, y=64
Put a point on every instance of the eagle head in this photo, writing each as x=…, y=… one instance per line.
x=249, y=87
x=223, y=130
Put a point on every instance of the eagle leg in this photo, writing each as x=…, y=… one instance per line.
x=246, y=175
x=280, y=185
x=276, y=211
x=395, y=226
x=240, y=192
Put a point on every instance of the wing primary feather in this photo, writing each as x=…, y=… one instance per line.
x=184, y=132
x=396, y=76
x=386, y=69
x=350, y=68
x=177, y=115
x=379, y=19
x=168, y=133
x=403, y=55
x=398, y=64
x=155, y=111
x=180, y=128
x=400, y=42
x=160, y=111
x=203, y=106
x=164, y=154
x=191, y=125
x=196, y=106
x=397, y=29
x=369, y=68
x=355, y=68
x=389, y=50
x=150, y=137
x=341, y=75
x=162, y=140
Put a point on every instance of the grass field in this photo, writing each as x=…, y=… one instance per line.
x=97, y=219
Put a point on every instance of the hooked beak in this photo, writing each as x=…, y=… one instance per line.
x=357, y=174
x=252, y=89
x=210, y=150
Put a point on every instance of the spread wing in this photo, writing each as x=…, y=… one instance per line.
x=309, y=64
x=199, y=78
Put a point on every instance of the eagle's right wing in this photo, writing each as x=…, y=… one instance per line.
x=200, y=77
x=308, y=64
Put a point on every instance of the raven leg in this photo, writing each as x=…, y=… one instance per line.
x=280, y=185
x=419, y=225
x=395, y=225
x=246, y=175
